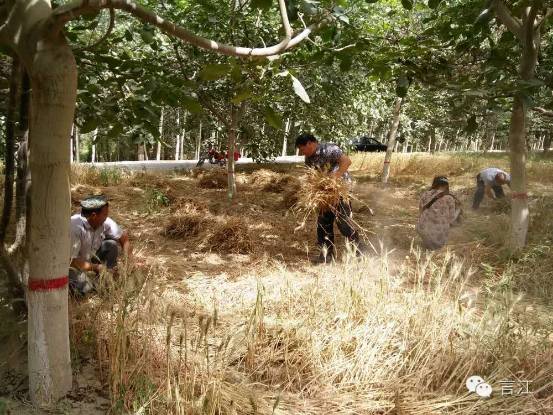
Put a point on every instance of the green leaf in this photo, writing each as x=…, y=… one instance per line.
x=407, y=4
x=345, y=62
x=215, y=71
x=242, y=95
x=402, y=86
x=300, y=90
x=89, y=125
x=191, y=104
x=262, y=4
x=147, y=36
x=272, y=118
x=433, y=4
x=236, y=74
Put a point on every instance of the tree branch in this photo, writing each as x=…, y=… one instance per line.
x=105, y=36
x=543, y=111
x=539, y=22
x=504, y=15
x=73, y=10
x=285, y=21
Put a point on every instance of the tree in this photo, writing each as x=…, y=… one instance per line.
x=33, y=31
x=527, y=28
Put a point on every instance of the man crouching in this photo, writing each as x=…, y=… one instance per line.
x=95, y=243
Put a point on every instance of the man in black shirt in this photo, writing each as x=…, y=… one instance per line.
x=329, y=158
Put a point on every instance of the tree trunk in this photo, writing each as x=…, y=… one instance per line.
x=394, y=125
x=517, y=146
x=93, y=151
x=177, y=141
x=72, y=144
x=429, y=146
x=183, y=135
x=158, y=151
x=546, y=142
x=53, y=75
x=140, y=152
x=285, y=138
x=15, y=286
x=198, y=142
x=234, y=114
x=77, y=145
x=23, y=181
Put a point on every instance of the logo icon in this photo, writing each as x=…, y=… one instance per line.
x=478, y=385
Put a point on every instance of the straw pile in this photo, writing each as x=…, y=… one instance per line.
x=215, y=179
x=230, y=236
x=320, y=192
x=271, y=181
x=187, y=221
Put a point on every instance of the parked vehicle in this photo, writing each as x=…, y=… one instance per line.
x=213, y=156
x=368, y=144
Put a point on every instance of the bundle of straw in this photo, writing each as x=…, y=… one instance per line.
x=320, y=191
x=186, y=222
x=230, y=235
x=214, y=179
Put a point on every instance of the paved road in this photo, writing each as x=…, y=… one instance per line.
x=154, y=165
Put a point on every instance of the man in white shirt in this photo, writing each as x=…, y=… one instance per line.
x=487, y=180
x=95, y=243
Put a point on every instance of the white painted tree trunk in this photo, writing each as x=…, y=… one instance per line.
x=183, y=135
x=285, y=138
x=199, y=142
x=547, y=142
x=94, y=137
x=231, y=146
x=53, y=77
x=160, y=139
x=392, y=133
x=177, y=141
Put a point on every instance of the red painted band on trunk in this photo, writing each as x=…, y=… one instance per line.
x=47, y=285
x=387, y=162
x=519, y=195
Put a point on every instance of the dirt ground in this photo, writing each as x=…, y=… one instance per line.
x=192, y=267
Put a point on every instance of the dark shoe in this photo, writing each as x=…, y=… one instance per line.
x=325, y=257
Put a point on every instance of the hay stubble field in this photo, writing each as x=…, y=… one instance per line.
x=222, y=313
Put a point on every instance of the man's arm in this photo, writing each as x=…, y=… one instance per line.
x=125, y=244
x=488, y=190
x=86, y=266
x=343, y=165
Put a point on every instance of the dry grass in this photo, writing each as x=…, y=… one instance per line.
x=185, y=224
x=229, y=235
x=271, y=181
x=213, y=179
x=320, y=192
x=395, y=334
x=347, y=341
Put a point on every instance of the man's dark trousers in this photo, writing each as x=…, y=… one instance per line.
x=481, y=191
x=325, y=226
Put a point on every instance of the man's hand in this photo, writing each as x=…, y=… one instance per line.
x=99, y=268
